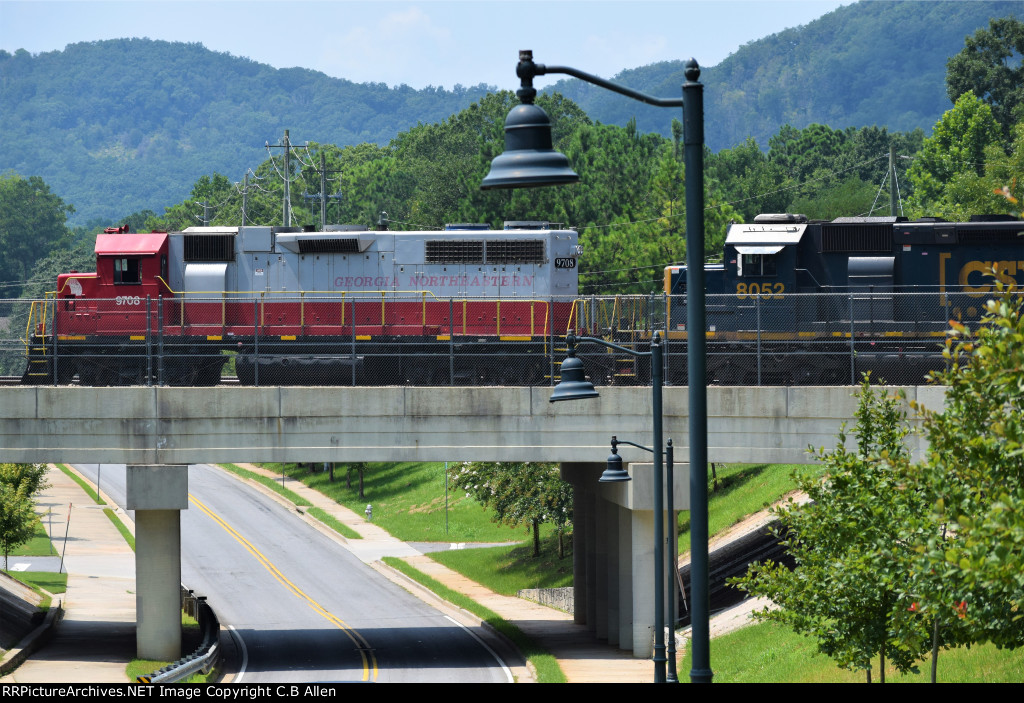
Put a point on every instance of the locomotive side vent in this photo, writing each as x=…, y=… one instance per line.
x=844, y=238
x=515, y=251
x=453, y=251
x=209, y=247
x=991, y=236
x=346, y=245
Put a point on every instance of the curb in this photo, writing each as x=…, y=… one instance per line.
x=521, y=667
x=31, y=642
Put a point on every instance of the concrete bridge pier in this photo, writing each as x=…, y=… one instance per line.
x=613, y=552
x=157, y=493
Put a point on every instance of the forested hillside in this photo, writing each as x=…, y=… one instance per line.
x=869, y=63
x=124, y=125
x=119, y=125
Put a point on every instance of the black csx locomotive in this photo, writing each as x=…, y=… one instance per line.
x=816, y=302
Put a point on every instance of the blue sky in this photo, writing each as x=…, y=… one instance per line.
x=431, y=42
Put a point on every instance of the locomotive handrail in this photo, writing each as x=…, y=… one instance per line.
x=537, y=306
x=36, y=306
x=74, y=275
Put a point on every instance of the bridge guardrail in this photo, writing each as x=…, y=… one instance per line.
x=208, y=652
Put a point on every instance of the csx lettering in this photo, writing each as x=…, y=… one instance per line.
x=974, y=274
x=767, y=291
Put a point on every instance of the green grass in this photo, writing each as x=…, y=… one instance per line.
x=269, y=483
x=743, y=489
x=191, y=637
x=39, y=544
x=772, y=653
x=334, y=523
x=408, y=500
x=125, y=532
x=40, y=581
x=548, y=670
x=89, y=490
x=508, y=569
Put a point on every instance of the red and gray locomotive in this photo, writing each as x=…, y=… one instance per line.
x=293, y=306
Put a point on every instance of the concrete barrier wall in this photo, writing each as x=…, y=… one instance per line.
x=198, y=425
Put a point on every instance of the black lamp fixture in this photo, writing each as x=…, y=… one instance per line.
x=615, y=473
x=573, y=384
x=529, y=159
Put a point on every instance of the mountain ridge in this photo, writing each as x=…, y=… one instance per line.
x=117, y=126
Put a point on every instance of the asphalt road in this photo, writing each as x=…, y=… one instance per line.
x=301, y=607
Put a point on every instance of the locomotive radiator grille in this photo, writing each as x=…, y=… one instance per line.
x=447, y=251
x=516, y=251
x=209, y=247
x=849, y=238
x=348, y=245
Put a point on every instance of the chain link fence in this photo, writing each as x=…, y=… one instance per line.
x=389, y=339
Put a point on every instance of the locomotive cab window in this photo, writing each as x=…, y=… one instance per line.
x=756, y=265
x=126, y=271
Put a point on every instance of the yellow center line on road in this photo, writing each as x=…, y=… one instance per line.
x=362, y=646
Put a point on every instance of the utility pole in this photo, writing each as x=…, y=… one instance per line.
x=323, y=191
x=245, y=195
x=893, y=194
x=287, y=181
x=286, y=144
x=322, y=196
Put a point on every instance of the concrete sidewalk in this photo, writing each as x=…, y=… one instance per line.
x=96, y=639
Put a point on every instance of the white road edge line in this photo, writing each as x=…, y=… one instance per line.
x=245, y=653
x=504, y=667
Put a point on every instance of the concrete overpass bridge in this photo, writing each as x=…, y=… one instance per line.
x=139, y=425
x=159, y=431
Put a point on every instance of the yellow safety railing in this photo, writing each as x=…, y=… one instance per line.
x=37, y=316
x=39, y=309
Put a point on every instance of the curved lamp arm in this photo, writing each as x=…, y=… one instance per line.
x=527, y=69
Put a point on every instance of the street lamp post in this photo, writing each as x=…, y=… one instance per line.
x=616, y=474
x=574, y=386
x=529, y=160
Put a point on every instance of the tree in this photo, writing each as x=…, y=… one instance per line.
x=973, y=480
x=801, y=152
x=520, y=493
x=28, y=477
x=956, y=149
x=360, y=469
x=17, y=519
x=852, y=549
x=989, y=66
x=758, y=184
x=18, y=484
x=211, y=198
x=849, y=197
x=32, y=225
